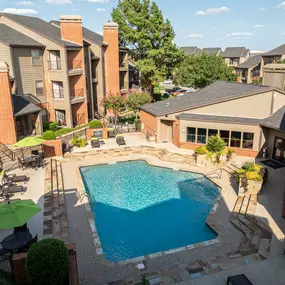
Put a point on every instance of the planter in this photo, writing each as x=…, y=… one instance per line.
x=201, y=159
x=253, y=187
x=232, y=158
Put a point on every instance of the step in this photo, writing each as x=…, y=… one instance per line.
x=244, y=229
x=238, y=205
x=263, y=248
x=244, y=205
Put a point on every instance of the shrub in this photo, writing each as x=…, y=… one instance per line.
x=95, y=124
x=249, y=166
x=230, y=153
x=46, y=126
x=201, y=150
x=78, y=142
x=47, y=263
x=48, y=135
x=63, y=131
x=216, y=145
x=53, y=126
x=6, y=279
x=138, y=124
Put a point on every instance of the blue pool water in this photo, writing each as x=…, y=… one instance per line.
x=141, y=209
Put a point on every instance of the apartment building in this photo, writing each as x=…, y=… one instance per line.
x=234, y=56
x=64, y=70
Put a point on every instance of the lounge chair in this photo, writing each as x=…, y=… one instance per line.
x=13, y=178
x=120, y=140
x=95, y=142
x=8, y=189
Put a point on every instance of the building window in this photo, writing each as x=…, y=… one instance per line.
x=212, y=133
x=57, y=89
x=247, y=141
x=191, y=135
x=202, y=135
x=54, y=60
x=236, y=139
x=36, y=56
x=225, y=135
x=39, y=87
x=60, y=117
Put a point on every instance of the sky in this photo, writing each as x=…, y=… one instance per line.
x=255, y=24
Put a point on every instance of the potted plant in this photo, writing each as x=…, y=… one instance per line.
x=231, y=154
x=216, y=148
x=201, y=155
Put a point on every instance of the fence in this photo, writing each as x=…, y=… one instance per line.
x=79, y=133
x=21, y=153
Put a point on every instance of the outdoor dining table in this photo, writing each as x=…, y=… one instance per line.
x=16, y=241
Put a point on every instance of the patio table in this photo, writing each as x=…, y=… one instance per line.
x=11, y=242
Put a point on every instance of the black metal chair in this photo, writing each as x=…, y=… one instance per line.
x=35, y=152
x=28, y=245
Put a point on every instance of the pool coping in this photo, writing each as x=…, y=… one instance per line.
x=84, y=198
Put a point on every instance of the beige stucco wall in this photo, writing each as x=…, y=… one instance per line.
x=222, y=126
x=5, y=56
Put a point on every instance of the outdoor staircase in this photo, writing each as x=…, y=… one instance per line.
x=8, y=161
x=258, y=235
x=55, y=220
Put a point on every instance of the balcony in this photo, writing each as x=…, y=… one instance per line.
x=123, y=66
x=75, y=67
x=54, y=64
x=57, y=93
x=77, y=96
x=95, y=77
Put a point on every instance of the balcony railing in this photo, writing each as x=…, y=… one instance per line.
x=57, y=93
x=74, y=93
x=75, y=65
x=54, y=64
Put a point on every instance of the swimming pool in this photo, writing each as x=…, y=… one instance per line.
x=141, y=209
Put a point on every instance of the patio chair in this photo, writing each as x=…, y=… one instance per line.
x=95, y=142
x=38, y=162
x=13, y=178
x=35, y=152
x=112, y=134
x=66, y=147
x=121, y=140
x=28, y=245
x=12, y=189
x=21, y=163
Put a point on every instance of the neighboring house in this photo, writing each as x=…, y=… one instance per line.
x=277, y=54
x=235, y=111
x=274, y=75
x=215, y=50
x=190, y=50
x=64, y=69
x=249, y=70
x=234, y=56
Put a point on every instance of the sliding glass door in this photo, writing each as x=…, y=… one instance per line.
x=279, y=149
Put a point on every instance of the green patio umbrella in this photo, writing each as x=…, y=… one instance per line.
x=29, y=141
x=17, y=213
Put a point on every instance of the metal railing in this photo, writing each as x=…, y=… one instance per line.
x=6, y=151
x=57, y=93
x=76, y=93
x=75, y=65
x=54, y=64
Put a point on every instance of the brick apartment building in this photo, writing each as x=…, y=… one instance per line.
x=60, y=69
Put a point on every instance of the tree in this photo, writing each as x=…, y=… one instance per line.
x=143, y=29
x=137, y=99
x=113, y=103
x=202, y=70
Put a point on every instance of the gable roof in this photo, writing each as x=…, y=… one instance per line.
x=252, y=61
x=41, y=27
x=214, y=50
x=234, y=52
x=189, y=50
x=22, y=106
x=87, y=34
x=214, y=118
x=276, y=121
x=12, y=37
x=217, y=92
x=277, y=51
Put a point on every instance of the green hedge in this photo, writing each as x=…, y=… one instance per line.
x=95, y=124
x=47, y=263
x=48, y=135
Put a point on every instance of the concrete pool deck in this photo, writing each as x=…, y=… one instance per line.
x=182, y=266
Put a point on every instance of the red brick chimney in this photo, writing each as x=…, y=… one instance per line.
x=111, y=37
x=7, y=122
x=71, y=28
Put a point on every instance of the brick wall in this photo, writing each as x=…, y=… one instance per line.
x=176, y=133
x=18, y=265
x=111, y=36
x=7, y=122
x=149, y=123
x=89, y=133
x=52, y=148
x=71, y=28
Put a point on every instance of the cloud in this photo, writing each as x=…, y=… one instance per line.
x=20, y=11
x=211, y=11
x=242, y=38
x=195, y=36
x=98, y=1
x=281, y=34
x=281, y=5
x=25, y=3
x=100, y=10
x=58, y=2
x=258, y=26
x=262, y=9
x=239, y=34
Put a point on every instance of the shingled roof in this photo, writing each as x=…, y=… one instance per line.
x=222, y=119
x=217, y=92
x=12, y=37
x=214, y=50
x=22, y=106
x=41, y=27
x=276, y=121
x=277, y=51
x=234, y=52
x=190, y=50
x=251, y=62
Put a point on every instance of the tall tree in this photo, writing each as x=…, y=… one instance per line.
x=143, y=29
x=202, y=70
x=136, y=100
